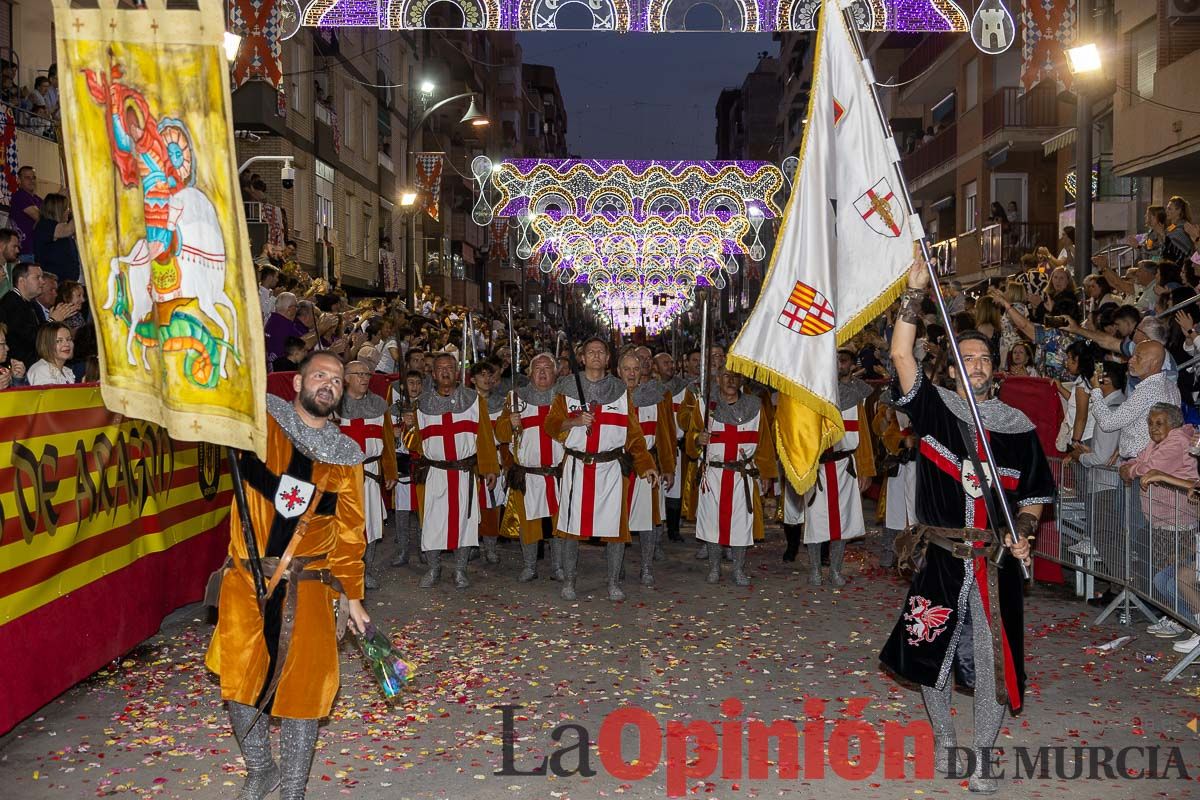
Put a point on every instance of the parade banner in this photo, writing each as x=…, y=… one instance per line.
x=260, y=56
x=162, y=237
x=106, y=525
x=843, y=251
x=9, y=160
x=429, y=181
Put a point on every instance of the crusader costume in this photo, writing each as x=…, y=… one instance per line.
x=492, y=501
x=305, y=503
x=405, y=503
x=451, y=443
x=645, y=503
x=682, y=401
x=833, y=506
x=962, y=614
x=367, y=422
x=597, y=458
x=739, y=453
x=533, y=490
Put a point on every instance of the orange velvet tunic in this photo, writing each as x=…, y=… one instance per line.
x=239, y=653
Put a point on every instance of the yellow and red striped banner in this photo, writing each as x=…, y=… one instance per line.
x=106, y=525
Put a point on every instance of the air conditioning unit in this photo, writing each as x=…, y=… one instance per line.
x=1183, y=8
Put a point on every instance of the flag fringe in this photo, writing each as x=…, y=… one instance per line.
x=872, y=310
x=833, y=428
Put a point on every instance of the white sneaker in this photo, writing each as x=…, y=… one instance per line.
x=1187, y=645
x=1166, y=628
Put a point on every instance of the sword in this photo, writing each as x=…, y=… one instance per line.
x=239, y=496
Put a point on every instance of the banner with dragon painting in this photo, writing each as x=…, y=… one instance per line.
x=149, y=148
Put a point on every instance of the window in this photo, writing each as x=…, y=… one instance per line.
x=366, y=128
x=369, y=237
x=531, y=124
x=348, y=119
x=971, y=79
x=1143, y=49
x=350, y=240
x=970, y=210
x=300, y=78
x=323, y=184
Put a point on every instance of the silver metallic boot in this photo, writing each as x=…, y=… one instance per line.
x=714, y=563
x=887, y=552
x=529, y=557
x=702, y=553
x=461, y=556
x=649, y=540
x=659, y=553
x=740, y=577
x=570, y=560
x=937, y=705
x=837, y=556
x=814, y=564
x=262, y=774
x=369, y=581
x=297, y=742
x=556, y=560
x=402, y=539
x=489, y=549
x=614, y=554
x=435, y=569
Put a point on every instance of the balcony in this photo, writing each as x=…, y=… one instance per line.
x=1009, y=107
x=946, y=254
x=925, y=54
x=942, y=148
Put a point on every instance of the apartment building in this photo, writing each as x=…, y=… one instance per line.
x=795, y=83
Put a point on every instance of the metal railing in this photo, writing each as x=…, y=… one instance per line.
x=924, y=54
x=34, y=124
x=1141, y=540
x=941, y=148
x=1013, y=107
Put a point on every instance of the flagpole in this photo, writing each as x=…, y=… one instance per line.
x=939, y=300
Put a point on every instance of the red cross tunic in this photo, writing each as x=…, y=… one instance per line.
x=645, y=504
x=374, y=437
x=722, y=514
x=834, y=505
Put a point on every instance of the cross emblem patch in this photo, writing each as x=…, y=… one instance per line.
x=293, y=496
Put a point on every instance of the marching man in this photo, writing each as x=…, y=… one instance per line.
x=594, y=418
x=657, y=421
x=486, y=376
x=404, y=502
x=834, y=505
x=537, y=465
x=364, y=418
x=451, y=441
x=682, y=401
x=736, y=451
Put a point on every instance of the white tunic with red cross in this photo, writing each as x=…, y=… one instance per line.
x=640, y=495
x=834, y=504
x=538, y=449
x=722, y=514
x=404, y=497
x=676, y=490
x=450, y=514
x=901, y=509
x=367, y=433
x=497, y=497
x=592, y=494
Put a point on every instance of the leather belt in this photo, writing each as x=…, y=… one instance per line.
x=744, y=467
x=957, y=541
x=585, y=457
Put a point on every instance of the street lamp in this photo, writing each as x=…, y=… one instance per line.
x=1084, y=62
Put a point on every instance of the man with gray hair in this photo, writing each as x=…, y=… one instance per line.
x=1149, y=329
x=956, y=297
x=1129, y=418
x=281, y=325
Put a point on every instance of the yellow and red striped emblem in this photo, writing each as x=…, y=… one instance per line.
x=807, y=311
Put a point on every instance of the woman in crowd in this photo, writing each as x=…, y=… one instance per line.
x=55, y=345
x=988, y=321
x=1077, y=423
x=54, y=239
x=1178, y=245
x=12, y=371
x=1020, y=361
x=71, y=293
x=1098, y=292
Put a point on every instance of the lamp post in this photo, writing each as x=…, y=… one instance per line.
x=409, y=197
x=1084, y=63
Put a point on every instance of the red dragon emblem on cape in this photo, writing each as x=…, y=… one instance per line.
x=926, y=621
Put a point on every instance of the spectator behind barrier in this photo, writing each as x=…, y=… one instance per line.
x=1166, y=459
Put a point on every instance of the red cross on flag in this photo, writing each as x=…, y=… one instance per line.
x=807, y=311
x=840, y=259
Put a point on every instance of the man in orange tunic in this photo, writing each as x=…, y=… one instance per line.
x=306, y=506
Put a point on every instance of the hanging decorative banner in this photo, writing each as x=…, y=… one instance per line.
x=150, y=157
x=9, y=162
x=337, y=130
x=390, y=275
x=276, y=224
x=1049, y=28
x=498, y=240
x=260, y=55
x=429, y=180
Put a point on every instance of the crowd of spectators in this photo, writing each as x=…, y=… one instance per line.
x=35, y=108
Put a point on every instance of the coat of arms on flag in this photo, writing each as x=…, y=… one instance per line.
x=807, y=311
x=881, y=209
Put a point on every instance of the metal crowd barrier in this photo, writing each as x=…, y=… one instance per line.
x=1142, y=541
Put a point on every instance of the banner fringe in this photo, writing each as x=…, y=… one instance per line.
x=872, y=310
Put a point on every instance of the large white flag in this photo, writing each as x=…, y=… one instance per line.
x=844, y=249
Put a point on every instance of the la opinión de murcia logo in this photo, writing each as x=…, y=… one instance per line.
x=848, y=746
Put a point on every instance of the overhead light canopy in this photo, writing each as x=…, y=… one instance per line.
x=473, y=116
x=1085, y=58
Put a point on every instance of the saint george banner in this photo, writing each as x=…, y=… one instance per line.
x=429, y=181
x=150, y=156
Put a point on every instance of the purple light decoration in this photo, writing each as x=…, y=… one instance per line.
x=637, y=166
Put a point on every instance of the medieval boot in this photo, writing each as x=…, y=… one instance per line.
x=989, y=715
x=402, y=537
x=727, y=554
x=570, y=561
x=674, y=511
x=529, y=556
x=649, y=540
x=887, y=555
x=792, y=532
x=297, y=742
x=814, y=565
x=702, y=553
x=740, y=577
x=369, y=581
x=937, y=705
x=262, y=774
x=461, y=556
x=614, y=553
x=435, y=570
x=556, y=560
x=837, y=556
x=714, y=562
x=659, y=553
x=490, y=555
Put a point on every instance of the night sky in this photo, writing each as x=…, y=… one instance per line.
x=644, y=95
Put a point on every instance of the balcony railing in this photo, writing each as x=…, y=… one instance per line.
x=924, y=54
x=941, y=148
x=946, y=254
x=1009, y=107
